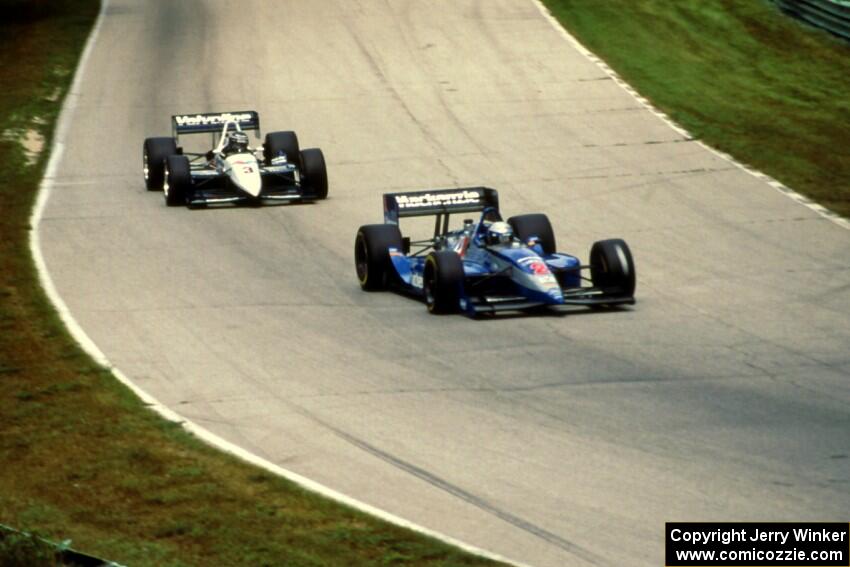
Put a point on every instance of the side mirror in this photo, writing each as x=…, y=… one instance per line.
x=533, y=242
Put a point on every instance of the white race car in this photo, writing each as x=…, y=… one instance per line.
x=232, y=172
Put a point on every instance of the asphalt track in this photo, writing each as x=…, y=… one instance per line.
x=556, y=440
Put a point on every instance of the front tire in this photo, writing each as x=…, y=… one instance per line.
x=277, y=143
x=612, y=267
x=315, y=173
x=178, y=181
x=371, y=255
x=535, y=224
x=443, y=281
x=154, y=153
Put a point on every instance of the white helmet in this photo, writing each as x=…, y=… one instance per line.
x=499, y=232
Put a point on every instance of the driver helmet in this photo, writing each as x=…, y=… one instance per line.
x=237, y=141
x=499, y=232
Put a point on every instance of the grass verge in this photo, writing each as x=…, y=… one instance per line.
x=82, y=458
x=739, y=75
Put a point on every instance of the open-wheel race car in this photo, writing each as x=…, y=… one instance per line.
x=232, y=171
x=487, y=265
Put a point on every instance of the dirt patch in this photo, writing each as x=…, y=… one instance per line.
x=31, y=141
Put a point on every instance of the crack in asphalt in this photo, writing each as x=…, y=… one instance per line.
x=478, y=502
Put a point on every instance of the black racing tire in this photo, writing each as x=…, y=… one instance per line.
x=371, y=255
x=154, y=152
x=315, y=173
x=178, y=181
x=443, y=281
x=534, y=224
x=286, y=142
x=612, y=267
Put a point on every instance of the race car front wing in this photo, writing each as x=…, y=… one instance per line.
x=572, y=297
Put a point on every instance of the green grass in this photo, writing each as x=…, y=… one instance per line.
x=25, y=550
x=82, y=459
x=739, y=75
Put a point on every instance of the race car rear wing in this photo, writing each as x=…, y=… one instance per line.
x=438, y=202
x=213, y=122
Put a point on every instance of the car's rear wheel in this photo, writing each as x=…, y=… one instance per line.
x=178, y=181
x=612, y=267
x=443, y=281
x=154, y=153
x=286, y=143
x=315, y=172
x=534, y=224
x=371, y=254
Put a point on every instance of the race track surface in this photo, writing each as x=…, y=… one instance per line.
x=555, y=440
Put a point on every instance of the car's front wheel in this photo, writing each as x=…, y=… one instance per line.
x=178, y=181
x=315, y=172
x=154, y=153
x=371, y=254
x=612, y=267
x=443, y=281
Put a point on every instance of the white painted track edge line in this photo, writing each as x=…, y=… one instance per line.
x=79, y=335
x=777, y=185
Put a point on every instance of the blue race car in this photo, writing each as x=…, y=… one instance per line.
x=486, y=265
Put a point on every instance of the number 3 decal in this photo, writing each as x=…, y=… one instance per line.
x=247, y=169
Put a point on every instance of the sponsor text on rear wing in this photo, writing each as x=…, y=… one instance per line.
x=213, y=122
x=438, y=202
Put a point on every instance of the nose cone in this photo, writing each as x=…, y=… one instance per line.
x=534, y=276
x=544, y=280
x=245, y=173
x=555, y=295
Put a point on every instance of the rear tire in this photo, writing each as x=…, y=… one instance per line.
x=178, y=181
x=443, y=281
x=282, y=142
x=315, y=173
x=371, y=255
x=535, y=224
x=154, y=153
x=612, y=267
